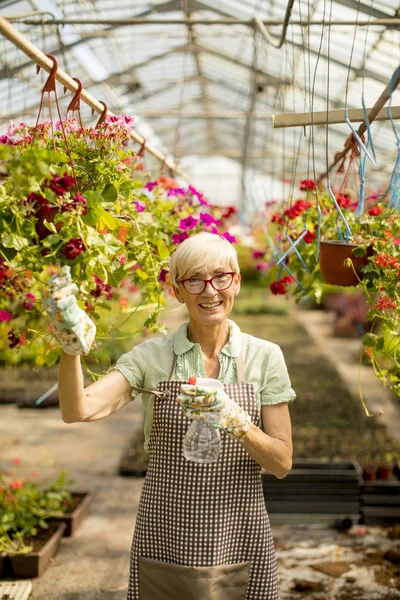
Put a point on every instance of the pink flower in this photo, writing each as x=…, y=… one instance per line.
x=229, y=237
x=178, y=238
x=262, y=266
x=122, y=259
x=208, y=219
x=16, y=461
x=188, y=223
x=163, y=275
x=258, y=253
x=140, y=206
x=5, y=316
x=150, y=185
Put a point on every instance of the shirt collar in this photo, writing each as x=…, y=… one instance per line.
x=233, y=347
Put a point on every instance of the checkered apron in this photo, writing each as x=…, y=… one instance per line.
x=201, y=515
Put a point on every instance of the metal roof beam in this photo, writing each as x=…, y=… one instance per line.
x=357, y=6
x=271, y=79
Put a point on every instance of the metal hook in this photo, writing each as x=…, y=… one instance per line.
x=103, y=115
x=50, y=85
x=75, y=104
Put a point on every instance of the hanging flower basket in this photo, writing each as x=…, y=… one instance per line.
x=334, y=266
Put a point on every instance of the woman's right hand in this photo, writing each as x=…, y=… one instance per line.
x=72, y=327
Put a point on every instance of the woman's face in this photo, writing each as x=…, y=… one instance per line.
x=210, y=307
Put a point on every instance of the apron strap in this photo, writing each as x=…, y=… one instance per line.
x=240, y=369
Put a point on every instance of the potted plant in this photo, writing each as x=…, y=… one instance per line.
x=78, y=199
x=27, y=540
x=290, y=262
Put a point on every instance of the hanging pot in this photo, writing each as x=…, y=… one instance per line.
x=332, y=255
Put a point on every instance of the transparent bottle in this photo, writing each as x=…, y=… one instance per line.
x=202, y=442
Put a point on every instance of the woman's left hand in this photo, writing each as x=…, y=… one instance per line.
x=215, y=408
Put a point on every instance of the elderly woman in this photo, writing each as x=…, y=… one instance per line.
x=202, y=530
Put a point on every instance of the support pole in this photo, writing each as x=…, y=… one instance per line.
x=38, y=57
x=332, y=117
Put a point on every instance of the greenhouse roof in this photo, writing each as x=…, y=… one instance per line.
x=201, y=84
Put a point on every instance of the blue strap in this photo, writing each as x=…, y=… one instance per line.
x=357, y=137
x=331, y=194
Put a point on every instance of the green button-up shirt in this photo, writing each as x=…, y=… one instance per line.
x=151, y=362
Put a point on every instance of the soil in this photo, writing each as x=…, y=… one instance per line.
x=41, y=538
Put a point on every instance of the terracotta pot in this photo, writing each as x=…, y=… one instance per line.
x=369, y=474
x=41, y=229
x=384, y=471
x=73, y=520
x=332, y=254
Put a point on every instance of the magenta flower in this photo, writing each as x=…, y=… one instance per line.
x=213, y=229
x=29, y=301
x=163, y=275
x=199, y=196
x=73, y=249
x=178, y=238
x=208, y=219
x=258, y=254
x=61, y=185
x=229, y=237
x=262, y=266
x=140, y=206
x=176, y=191
x=4, y=139
x=188, y=223
x=5, y=316
x=150, y=185
x=101, y=288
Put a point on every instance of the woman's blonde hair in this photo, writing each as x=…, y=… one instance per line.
x=200, y=251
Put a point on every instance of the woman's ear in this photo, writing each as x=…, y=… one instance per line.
x=178, y=295
x=238, y=278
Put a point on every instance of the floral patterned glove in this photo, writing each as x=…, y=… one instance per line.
x=72, y=327
x=215, y=408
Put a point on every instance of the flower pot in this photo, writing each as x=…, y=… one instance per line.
x=384, y=471
x=26, y=566
x=40, y=227
x=369, y=473
x=74, y=519
x=332, y=255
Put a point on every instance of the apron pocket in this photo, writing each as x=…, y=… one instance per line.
x=165, y=581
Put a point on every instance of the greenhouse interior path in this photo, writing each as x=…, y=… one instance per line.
x=94, y=564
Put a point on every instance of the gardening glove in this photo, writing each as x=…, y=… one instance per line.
x=215, y=408
x=72, y=327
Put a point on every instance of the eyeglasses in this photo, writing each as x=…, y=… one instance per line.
x=219, y=282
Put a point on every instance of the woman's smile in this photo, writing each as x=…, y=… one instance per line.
x=210, y=305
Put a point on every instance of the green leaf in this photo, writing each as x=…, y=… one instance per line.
x=12, y=240
x=162, y=249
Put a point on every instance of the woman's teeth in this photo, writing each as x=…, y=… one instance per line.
x=209, y=304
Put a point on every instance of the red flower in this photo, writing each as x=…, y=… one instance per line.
x=16, y=484
x=61, y=185
x=163, y=275
x=375, y=211
x=277, y=218
x=15, y=339
x=309, y=237
x=230, y=210
x=16, y=461
x=385, y=260
x=343, y=200
x=307, y=184
x=280, y=287
x=73, y=249
x=384, y=303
